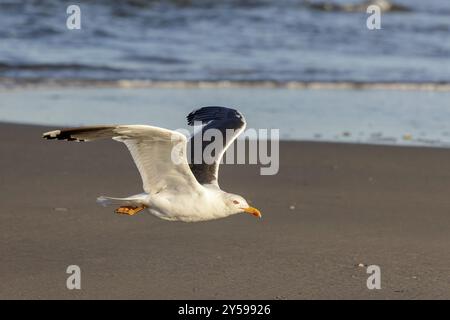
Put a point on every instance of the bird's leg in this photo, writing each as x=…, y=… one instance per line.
x=130, y=210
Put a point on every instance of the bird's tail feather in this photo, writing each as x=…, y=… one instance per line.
x=130, y=201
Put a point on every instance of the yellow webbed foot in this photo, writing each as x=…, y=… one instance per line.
x=129, y=210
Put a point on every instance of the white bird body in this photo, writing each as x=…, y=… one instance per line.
x=204, y=205
x=172, y=190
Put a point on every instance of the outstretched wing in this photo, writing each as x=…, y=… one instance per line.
x=159, y=154
x=229, y=122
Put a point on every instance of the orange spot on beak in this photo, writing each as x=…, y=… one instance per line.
x=253, y=211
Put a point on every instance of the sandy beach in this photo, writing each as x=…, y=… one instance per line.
x=331, y=208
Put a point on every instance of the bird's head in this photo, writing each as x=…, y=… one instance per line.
x=237, y=204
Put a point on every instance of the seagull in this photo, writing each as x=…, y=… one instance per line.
x=174, y=190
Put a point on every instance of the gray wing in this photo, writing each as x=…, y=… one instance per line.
x=222, y=120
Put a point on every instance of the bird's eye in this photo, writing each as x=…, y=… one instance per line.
x=235, y=202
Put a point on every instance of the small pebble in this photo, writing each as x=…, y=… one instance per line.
x=292, y=207
x=61, y=209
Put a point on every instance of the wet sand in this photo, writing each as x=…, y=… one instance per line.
x=331, y=208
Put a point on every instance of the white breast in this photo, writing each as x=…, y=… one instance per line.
x=202, y=206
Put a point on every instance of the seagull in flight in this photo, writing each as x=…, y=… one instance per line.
x=173, y=189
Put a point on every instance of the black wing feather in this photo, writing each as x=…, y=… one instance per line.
x=206, y=114
x=218, y=118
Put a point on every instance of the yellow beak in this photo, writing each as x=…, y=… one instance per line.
x=253, y=211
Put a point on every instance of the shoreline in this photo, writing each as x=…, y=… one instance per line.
x=362, y=116
x=42, y=83
x=293, y=140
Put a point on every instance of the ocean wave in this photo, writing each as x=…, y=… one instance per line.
x=239, y=41
x=332, y=6
x=52, y=67
x=14, y=83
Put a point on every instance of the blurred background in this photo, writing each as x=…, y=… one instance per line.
x=312, y=68
x=223, y=40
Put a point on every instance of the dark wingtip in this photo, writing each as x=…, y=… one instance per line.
x=60, y=135
x=209, y=113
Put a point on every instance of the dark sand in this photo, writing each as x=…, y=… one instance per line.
x=388, y=206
